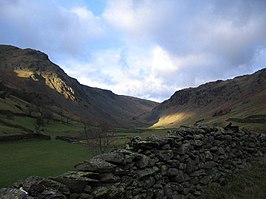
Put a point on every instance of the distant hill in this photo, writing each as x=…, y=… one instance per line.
x=241, y=100
x=30, y=82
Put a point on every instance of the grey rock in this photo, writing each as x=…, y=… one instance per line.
x=85, y=196
x=143, y=161
x=166, y=147
x=208, y=155
x=205, y=180
x=147, y=172
x=209, y=164
x=165, y=155
x=95, y=165
x=184, y=148
x=180, y=177
x=88, y=189
x=200, y=172
x=112, y=157
x=182, y=166
x=108, y=177
x=10, y=193
x=76, y=181
x=172, y=172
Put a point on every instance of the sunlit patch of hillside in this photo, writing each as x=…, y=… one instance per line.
x=23, y=73
x=172, y=119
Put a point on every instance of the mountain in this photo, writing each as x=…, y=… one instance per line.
x=29, y=79
x=240, y=100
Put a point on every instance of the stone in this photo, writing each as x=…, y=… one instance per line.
x=112, y=157
x=85, y=196
x=209, y=164
x=184, y=148
x=127, y=180
x=148, y=182
x=51, y=194
x=76, y=181
x=200, y=172
x=153, y=161
x=168, y=190
x=165, y=155
x=147, y=172
x=172, y=172
x=205, y=180
x=198, y=143
x=10, y=193
x=88, y=189
x=182, y=166
x=143, y=161
x=208, y=155
x=166, y=147
x=28, y=182
x=180, y=177
x=56, y=186
x=119, y=171
x=100, y=192
x=108, y=177
x=164, y=169
x=95, y=165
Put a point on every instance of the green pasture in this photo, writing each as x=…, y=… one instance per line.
x=41, y=158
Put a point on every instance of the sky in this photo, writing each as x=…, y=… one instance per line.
x=142, y=48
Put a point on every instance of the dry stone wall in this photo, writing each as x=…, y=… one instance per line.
x=177, y=166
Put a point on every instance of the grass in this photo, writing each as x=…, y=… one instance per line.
x=58, y=128
x=24, y=121
x=53, y=127
x=6, y=130
x=42, y=158
x=247, y=184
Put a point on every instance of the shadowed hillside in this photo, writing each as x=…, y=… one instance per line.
x=29, y=80
x=240, y=100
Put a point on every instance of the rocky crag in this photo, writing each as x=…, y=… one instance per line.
x=175, y=166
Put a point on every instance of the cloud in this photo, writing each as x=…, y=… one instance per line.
x=201, y=41
x=144, y=48
x=49, y=26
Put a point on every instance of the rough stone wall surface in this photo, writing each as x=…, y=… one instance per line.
x=177, y=166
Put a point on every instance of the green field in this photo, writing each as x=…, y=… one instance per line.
x=42, y=158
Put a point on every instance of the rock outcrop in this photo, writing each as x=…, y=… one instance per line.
x=176, y=166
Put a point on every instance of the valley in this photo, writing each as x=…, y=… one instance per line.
x=49, y=121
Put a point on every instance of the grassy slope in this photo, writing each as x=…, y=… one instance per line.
x=18, y=106
x=51, y=128
x=253, y=106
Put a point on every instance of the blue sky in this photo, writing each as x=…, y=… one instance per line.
x=142, y=48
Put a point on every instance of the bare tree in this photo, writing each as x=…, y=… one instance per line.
x=100, y=136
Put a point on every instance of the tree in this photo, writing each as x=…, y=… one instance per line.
x=100, y=136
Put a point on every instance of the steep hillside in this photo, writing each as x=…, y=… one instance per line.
x=240, y=100
x=29, y=79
